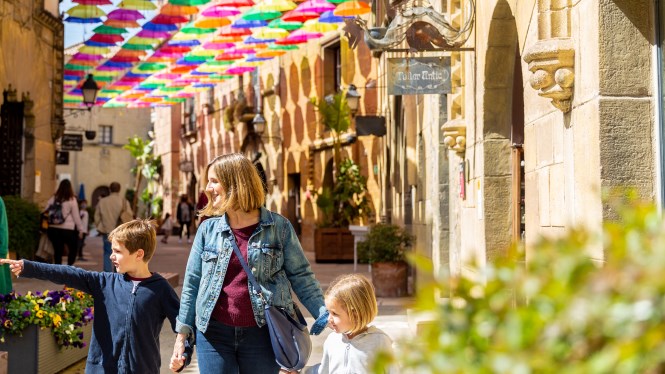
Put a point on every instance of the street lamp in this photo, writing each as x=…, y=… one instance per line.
x=353, y=99
x=89, y=89
x=259, y=124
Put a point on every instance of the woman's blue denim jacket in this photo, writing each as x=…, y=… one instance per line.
x=275, y=258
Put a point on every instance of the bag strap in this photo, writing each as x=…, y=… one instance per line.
x=250, y=276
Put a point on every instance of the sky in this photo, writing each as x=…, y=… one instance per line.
x=79, y=32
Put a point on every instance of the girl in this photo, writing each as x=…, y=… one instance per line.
x=352, y=348
x=167, y=227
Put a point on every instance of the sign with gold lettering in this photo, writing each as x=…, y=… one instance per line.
x=419, y=76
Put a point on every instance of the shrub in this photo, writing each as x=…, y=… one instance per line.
x=561, y=312
x=385, y=243
x=23, y=218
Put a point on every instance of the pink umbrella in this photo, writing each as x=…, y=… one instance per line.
x=153, y=34
x=92, y=2
x=168, y=76
x=125, y=15
x=169, y=20
x=87, y=57
x=240, y=70
x=318, y=6
x=220, y=11
x=300, y=36
x=218, y=46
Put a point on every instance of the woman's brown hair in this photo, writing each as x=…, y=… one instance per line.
x=239, y=180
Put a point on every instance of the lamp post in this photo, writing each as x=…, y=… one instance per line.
x=259, y=124
x=353, y=99
x=89, y=89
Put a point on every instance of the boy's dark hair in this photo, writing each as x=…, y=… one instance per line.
x=135, y=235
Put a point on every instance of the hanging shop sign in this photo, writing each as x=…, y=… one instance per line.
x=71, y=142
x=419, y=76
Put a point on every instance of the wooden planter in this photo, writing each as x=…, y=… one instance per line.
x=37, y=352
x=333, y=245
x=390, y=279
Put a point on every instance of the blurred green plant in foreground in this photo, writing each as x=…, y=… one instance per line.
x=561, y=312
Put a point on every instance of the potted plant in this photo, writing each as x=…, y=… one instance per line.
x=23, y=219
x=37, y=327
x=384, y=249
x=346, y=201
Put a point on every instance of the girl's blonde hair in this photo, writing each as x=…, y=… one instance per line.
x=240, y=181
x=355, y=294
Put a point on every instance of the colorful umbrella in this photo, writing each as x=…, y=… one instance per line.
x=246, y=24
x=329, y=17
x=178, y=10
x=104, y=29
x=189, y=2
x=94, y=50
x=313, y=25
x=220, y=11
x=92, y=2
x=300, y=36
x=240, y=70
x=233, y=31
x=299, y=16
x=217, y=46
x=137, y=5
x=352, y=8
x=158, y=27
x=215, y=22
x=255, y=14
x=197, y=30
x=163, y=19
x=258, y=43
x=318, y=6
x=86, y=11
x=270, y=33
x=107, y=38
x=121, y=23
x=125, y=15
x=153, y=34
x=235, y=3
x=281, y=24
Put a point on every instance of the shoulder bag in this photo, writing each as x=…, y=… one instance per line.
x=289, y=337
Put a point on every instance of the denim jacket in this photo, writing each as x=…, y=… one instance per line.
x=275, y=257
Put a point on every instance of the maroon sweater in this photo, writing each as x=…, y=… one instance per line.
x=234, y=307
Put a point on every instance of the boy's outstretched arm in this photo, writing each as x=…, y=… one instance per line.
x=71, y=276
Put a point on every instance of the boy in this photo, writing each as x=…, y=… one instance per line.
x=130, y=305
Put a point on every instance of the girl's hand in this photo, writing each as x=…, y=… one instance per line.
x=15, y=266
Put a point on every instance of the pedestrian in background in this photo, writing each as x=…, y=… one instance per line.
x=5, y=274
x=184, y=214
x=70, y=230
x=85, y=221
x=351, y=301
x=167, y=227
x=216, y=302
x=107, y=214
x=130, y=306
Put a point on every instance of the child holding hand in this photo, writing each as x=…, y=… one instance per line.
x=354, y=344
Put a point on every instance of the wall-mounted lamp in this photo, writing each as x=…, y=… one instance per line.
x=353, y=99
x=89, y=89
x=259, y=124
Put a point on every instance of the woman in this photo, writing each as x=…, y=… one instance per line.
x=231, y=336
x=65, y=233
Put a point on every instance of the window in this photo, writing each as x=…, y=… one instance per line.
x=105, y=134
x=189, y=116
x=332, y=69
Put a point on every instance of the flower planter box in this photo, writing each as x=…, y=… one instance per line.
x=37, y=352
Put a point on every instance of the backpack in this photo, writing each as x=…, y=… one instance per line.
x=55, y=216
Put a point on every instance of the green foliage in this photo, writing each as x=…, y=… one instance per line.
x=347, y=201
x=148, y=166
x=23, y=219
x=385, y=243
x=562, y=311
x=64, y=312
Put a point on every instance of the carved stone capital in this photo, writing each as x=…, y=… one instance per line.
x=552, y=63
x=454, y=135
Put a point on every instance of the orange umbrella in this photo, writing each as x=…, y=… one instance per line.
x=351, y=8
x=211, y=23
x=178, y=10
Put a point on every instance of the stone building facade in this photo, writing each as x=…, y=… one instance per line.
x=31, y=66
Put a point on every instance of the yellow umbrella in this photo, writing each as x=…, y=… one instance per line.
x=227, y=39
x=86, y=11
x=313, y=25
x=270, y=53
x=143, y=41
x=269, y=33
x=90, y=50
x=211, y=23
x=275, y=5
x=351, y=8
x=137, y=5
x=185, y=36
x=203, y=53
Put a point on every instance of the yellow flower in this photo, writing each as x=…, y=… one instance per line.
x=8, y=323
x=40, y=314
x=80, y=295
x=36, y=308
x=57, y=320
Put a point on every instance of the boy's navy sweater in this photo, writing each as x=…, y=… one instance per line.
x=127, y=322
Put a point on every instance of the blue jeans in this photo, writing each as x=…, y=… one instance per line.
x=108, y=265
x=231, y=350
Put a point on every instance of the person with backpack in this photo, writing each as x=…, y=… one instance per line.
x=63, y=222
x=184, y=215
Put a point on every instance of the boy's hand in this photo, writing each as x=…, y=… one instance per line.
x=177, y=359
x=15, y=266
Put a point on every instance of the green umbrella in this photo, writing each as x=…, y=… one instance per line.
x=196, y=58
x=219, y=62
x=281, y=24
x=137, y=47
x=103, y=29
x=260, y=15
x=151, y=66
x=152, y=85
x=279, y=47
x=171, y=89
x=175, y=100
x=189, y=2
x=196, y=30
x=77, y=67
